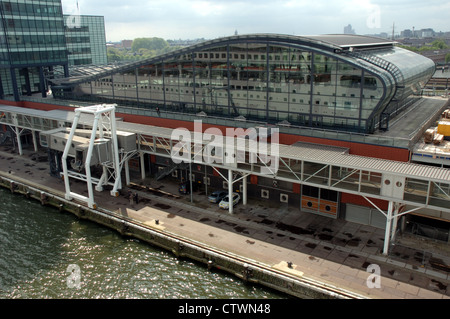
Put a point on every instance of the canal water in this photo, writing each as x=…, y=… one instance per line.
x=48, y=254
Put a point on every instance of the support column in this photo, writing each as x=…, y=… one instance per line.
x=244, y=190
x=68, y=195
x=66, y=70
x=87, y=165
x=33, y=133
x=230, y=191
x=2, y=92
x=206, y=181
x=14, y=85
x=127, y=173
x=19, y=142
x=26, y=75
x=387, y=234
x=394, y=220
x=102, y=181
x=42, y=85
x=191, y=190
x=395, y=217
x=18, y=132
x=141, y=156
x=116, y=160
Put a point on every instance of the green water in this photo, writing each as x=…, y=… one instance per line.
x=48, y=254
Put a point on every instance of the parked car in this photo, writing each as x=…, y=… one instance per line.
x=217, y=196
x=224, y=203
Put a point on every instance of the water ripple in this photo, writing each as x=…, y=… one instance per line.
x=39, y=243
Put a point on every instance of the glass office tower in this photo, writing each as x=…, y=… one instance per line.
x=86, y=40
x=32, y=43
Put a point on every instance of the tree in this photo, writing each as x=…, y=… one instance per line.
x=447, y=58
x=156, y=44
x=439, y=44
x=141, y=48
x=114, y=55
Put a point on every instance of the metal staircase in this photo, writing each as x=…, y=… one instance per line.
x=169, y=170
x=4, y=137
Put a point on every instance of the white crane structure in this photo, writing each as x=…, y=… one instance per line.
x=103, y=140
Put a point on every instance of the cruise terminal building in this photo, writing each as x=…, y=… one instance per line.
x=348, y=109
x=340, y=82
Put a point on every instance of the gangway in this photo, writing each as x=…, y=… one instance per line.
x=105, y=124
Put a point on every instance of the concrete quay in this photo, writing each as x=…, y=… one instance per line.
x=301, y=254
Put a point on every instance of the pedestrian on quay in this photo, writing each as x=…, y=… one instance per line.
x=130, y=197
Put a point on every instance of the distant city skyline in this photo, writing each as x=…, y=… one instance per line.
x=182, y=19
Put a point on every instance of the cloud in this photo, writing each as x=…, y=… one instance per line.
x=189, y=19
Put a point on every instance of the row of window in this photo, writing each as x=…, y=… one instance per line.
x=27, y=24
x=322, y=80
x=71, y=39
x=286, y=56
x=251, y=96
x=38, y=56
x=32, y=9
x=84, y=61
x=25, y=40
x=76, y=50
x=232, y=88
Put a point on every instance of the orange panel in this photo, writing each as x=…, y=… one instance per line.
x=328, y=207
x=310, y=203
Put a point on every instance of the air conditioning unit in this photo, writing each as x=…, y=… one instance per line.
x=284, y=198
x=206, y=180
x=224, y=184
x=264, y=193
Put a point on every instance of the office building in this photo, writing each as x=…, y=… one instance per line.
x=37, y=41
x=32, y=43
x=86, y=40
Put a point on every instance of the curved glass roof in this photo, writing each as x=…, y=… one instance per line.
x=335, y=43
x=366, y=83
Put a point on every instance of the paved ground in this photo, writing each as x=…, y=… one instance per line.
x=404, y=125
x=334, y=252
x=440, y=74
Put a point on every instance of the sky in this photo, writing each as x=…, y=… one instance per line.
x=210, y=19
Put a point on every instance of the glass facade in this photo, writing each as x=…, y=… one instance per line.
x=264, y=79
x=86, y=40
x=22, y=21
x=37, y=41
x=32, y=42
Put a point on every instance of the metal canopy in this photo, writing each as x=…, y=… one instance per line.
x=320, y=166
x=300, y=151
x=398, y=183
